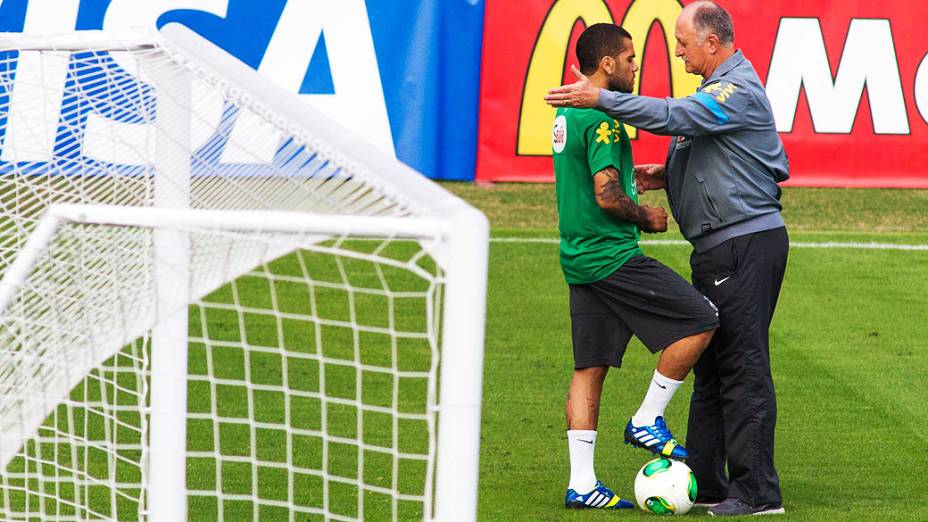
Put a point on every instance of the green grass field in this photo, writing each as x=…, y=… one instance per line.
x=848, y=349
x=279, y=361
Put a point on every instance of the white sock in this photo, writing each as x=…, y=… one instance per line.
x=659, y=394
x=582, y=445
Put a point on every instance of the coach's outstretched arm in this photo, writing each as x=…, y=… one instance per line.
x=719, y=108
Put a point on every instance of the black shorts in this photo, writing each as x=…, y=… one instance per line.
x=644, y=298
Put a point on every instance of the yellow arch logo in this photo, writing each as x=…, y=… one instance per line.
x=546, y=66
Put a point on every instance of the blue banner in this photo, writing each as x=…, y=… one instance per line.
x=405, y=79
x=429, y=55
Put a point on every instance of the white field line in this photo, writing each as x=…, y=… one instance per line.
x=680, y=242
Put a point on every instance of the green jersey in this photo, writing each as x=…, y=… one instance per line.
x=594, y=244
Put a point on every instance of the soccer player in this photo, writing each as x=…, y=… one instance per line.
x=615, y=290
x=721, y=177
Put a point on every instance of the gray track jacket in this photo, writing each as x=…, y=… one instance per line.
x=725, y=159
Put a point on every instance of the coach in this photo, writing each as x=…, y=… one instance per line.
x=721, y=176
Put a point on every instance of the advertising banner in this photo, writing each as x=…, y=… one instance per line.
x=402, y=79
x=847, y=80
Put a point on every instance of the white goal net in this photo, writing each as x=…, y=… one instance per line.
x=217, y=304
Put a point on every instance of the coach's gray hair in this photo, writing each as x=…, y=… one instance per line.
x=711, y=18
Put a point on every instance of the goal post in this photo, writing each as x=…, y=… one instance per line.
x=216, y=302
x=167, y=463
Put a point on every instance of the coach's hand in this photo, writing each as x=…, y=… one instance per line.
x=655, y=219
x=581, y=94
x=650, y=177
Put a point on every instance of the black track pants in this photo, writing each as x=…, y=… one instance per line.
x=733, y=411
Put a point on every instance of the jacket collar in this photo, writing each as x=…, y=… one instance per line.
x=733, y=61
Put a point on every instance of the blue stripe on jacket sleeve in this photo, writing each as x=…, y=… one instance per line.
x=713, y=106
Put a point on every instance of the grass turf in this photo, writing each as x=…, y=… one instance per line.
x=531, y=206
x=848, y=359
x=848, y=354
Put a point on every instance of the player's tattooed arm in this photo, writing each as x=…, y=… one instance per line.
x=611, y=197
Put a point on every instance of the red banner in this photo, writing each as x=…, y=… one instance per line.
x=847, y=80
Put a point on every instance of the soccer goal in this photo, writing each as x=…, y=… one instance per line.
x=218, y=304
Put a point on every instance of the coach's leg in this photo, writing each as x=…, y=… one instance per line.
x=743, y=363
x=583, y=399
x=705, y=435
x=749, y=398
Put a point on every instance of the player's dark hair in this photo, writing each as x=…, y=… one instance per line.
x=712, y=18
x=597, y=41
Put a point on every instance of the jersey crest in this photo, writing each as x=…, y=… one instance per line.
x=559, y=134
x=720, y=90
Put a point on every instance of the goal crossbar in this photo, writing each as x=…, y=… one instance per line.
x=225, y=220
x=349, y=149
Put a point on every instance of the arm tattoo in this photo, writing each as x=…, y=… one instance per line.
x=615, y=201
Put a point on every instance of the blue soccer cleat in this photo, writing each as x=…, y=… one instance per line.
x=600, y=498
x=655, y=438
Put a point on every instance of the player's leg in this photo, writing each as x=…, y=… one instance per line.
x=668, y=315
x=673, y=365
x=583, y=395
x=647, y=427
x=599, y=341
x=755, y=264
x=676, y=361
x=582, y=411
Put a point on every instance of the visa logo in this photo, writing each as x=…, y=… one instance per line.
x=330, y=40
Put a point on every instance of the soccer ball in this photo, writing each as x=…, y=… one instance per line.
x=665, y=487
